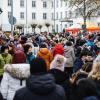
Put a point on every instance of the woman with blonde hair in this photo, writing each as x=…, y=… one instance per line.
x=95, y=74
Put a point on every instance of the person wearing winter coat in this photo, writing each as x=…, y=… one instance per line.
x=58, y=49
x=45, y=54
x=57, y=69
x=14, y=78
x=85, y=89
x=40, y=85
x=79, y=62
x=70, y=55
x=5, y=58
x=28, y=52
x=17, y=54
x=94, y=75
x=1, y=98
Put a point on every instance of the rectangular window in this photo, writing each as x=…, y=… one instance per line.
x=61, y=15
x=66, y=14
x=33, y=15
x=9, y=15
x=57, y=27
x=52, y=16
x=21, y=3
x=57, y=3
x=61, y=3
x=44, y=15
x=56, y=15
x=52, y=4
x=33, y=3
x=22, y=15
x=9, y=2
x=44, y=4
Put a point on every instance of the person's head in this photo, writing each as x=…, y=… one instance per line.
x=27, y=48
x=38, y=65
x=84, y=55
x=95, y=72
x=69, y=43
x=85, y=88
x=43, y=45
x=89, y=57
x=4, y=49
x=58, y=62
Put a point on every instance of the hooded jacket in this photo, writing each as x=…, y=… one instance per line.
x=46, y=55
x=70, y=55
x=40, y=87
x=14, y=78
x=58, y=49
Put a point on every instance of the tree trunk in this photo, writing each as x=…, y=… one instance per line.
x=34, y=30
x=48, y=29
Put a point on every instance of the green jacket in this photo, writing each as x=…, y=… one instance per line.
x=4, y=60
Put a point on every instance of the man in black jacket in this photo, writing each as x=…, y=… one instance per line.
x=40, y=85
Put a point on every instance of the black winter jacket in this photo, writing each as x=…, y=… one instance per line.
x=40, y=87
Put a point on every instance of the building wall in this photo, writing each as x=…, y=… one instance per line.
x=39, y=10
x=61, y=8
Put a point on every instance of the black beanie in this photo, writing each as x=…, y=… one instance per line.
x=38, y=65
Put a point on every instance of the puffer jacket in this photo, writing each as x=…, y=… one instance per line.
x=4, y=59
x=14, y=78
x=46, y=55
x=70, y=55
x=40, y=87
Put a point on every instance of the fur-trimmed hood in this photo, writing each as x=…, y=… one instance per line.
x=18, y=71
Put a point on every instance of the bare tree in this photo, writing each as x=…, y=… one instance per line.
x=47, y=25
x=33, y=27
x=40, y=27
x=86, y=7
x=19, y=27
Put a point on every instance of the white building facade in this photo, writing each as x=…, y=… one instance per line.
x=38, y=11
x=55, y=12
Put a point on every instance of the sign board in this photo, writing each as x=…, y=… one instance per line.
x=12, y=22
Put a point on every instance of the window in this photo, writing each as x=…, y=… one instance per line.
x=61, y=3
x=9, y=2
x=56, y=15
x=33, y=3
x=21, y=3
x=57, y=3
x=52, y=4
x=66, y=14
x=52, y=16
x=61, y=15
x=33, y=15
x=44, y=15
x=44, y=4
x=9, y=14
x=57, y=27
x=70, y=14
x=22, y=15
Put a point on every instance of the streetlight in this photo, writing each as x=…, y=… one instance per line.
x=54, y=15
x=26, y=18
x=12, y=17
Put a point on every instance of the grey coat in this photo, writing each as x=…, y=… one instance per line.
x=70, y=55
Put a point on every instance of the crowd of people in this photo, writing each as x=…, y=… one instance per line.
x=50, y=66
